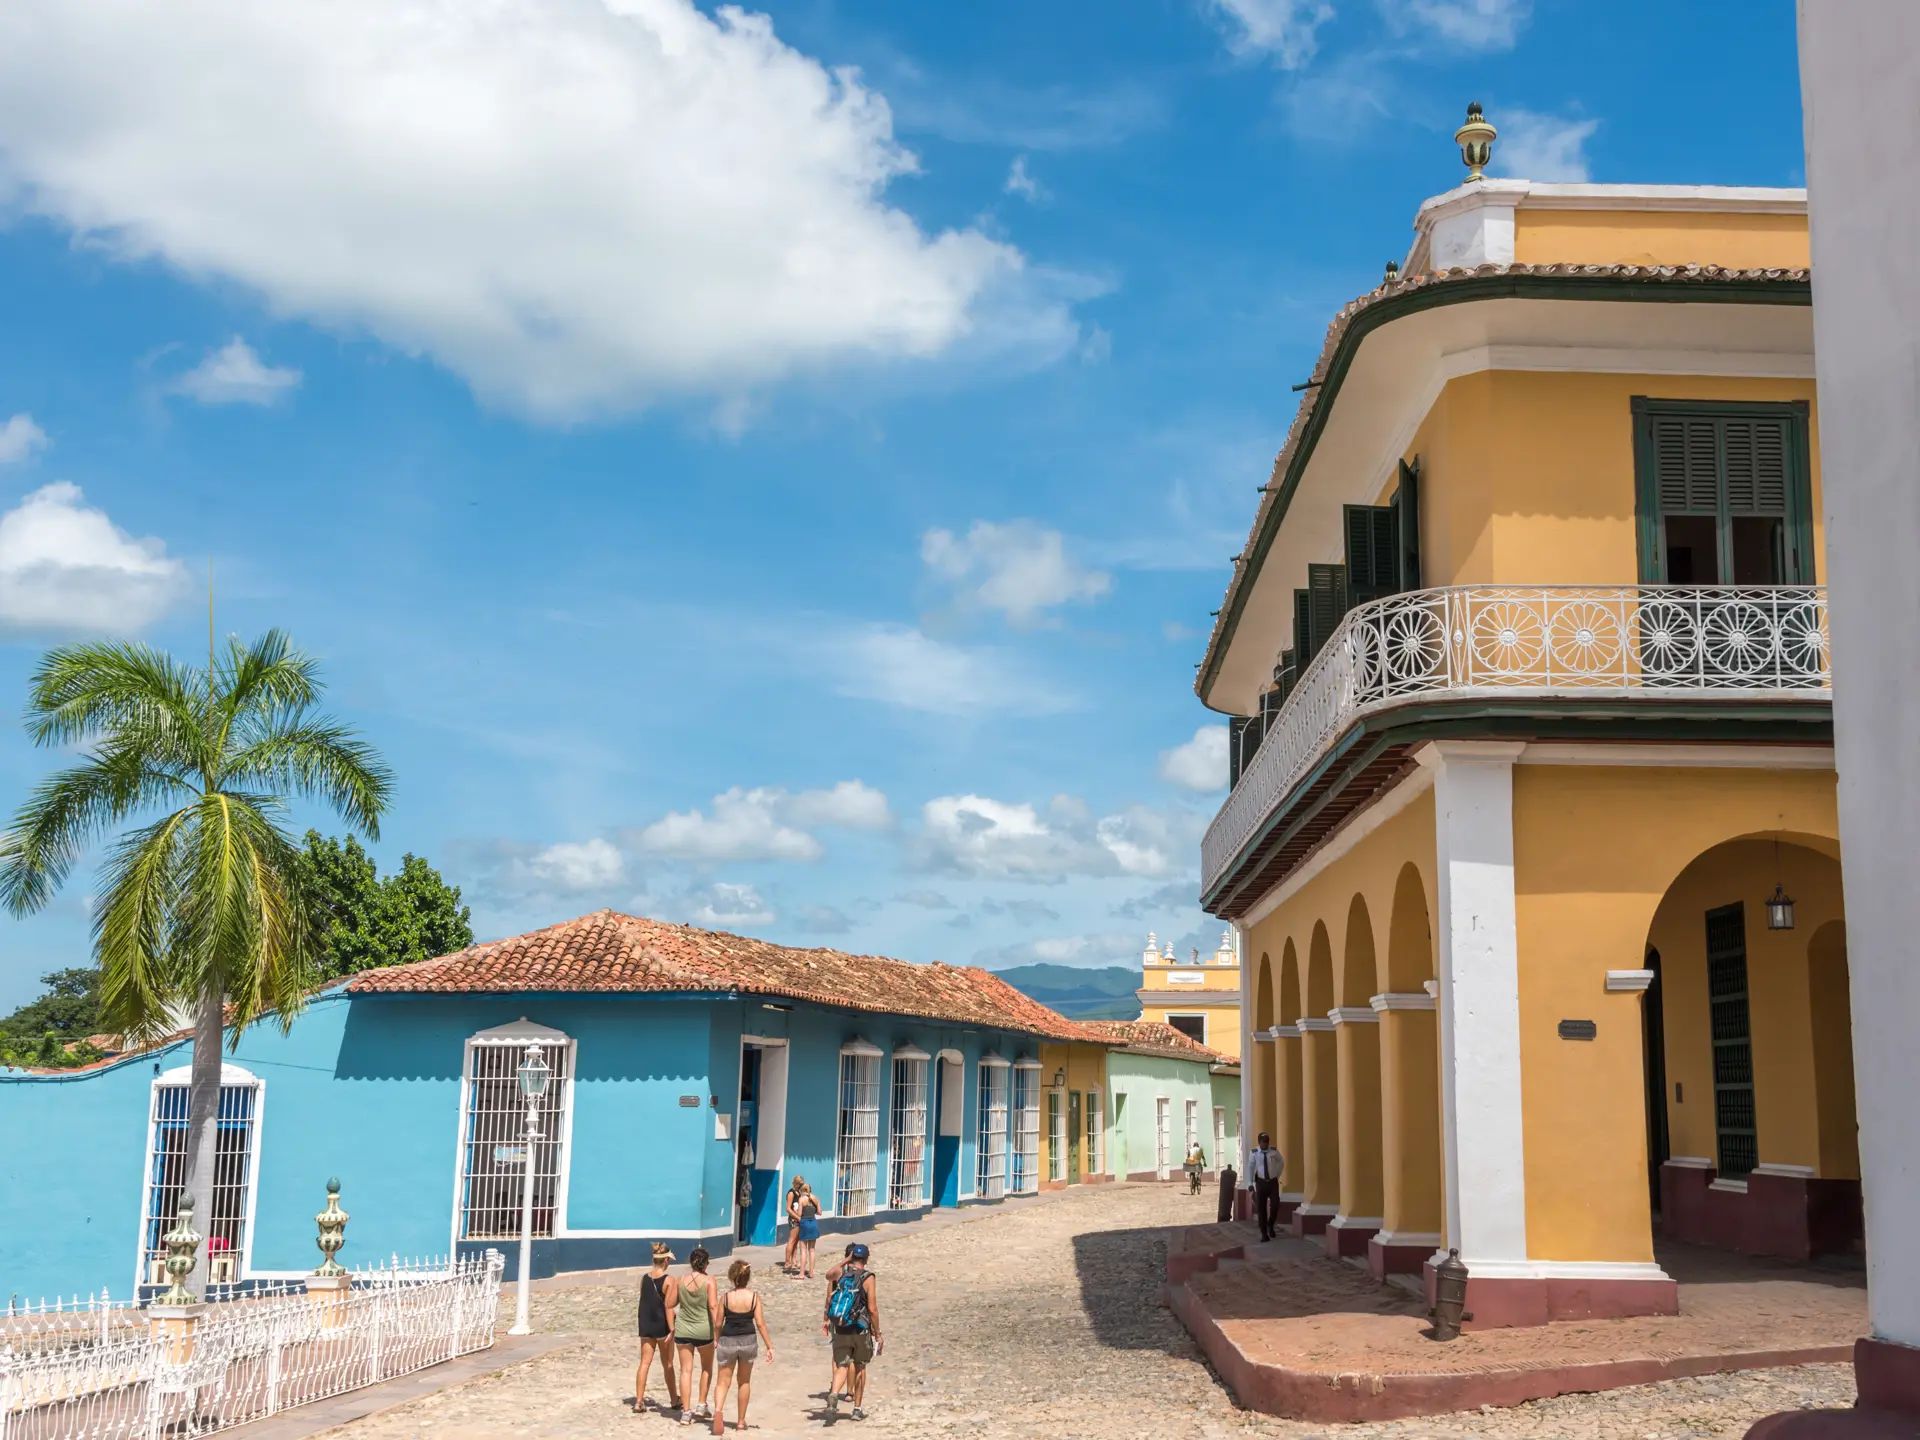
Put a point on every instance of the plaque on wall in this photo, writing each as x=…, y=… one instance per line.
x=1578, y=1030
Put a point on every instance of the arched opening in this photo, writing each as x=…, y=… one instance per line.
x=1320, y=1089
x=1754, y=1036
x=1357, y=1048
x=1412, y=1181
x=1289, y=1122
x=1261, y=1060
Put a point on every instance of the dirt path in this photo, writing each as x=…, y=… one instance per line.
x=1042, y=1321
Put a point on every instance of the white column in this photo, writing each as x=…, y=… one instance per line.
x=1860, y=71
x=1246, y=1050
x=1479, y=964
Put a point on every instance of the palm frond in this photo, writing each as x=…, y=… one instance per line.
x=78, y=692
x=66, y=811
x=319, y=760
x=133, y=930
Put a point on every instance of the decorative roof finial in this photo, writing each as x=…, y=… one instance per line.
x=1475, y=139
x=1393, y=272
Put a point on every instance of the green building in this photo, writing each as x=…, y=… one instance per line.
x=1168, y=1092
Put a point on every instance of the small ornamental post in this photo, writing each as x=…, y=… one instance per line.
x=174, y=1316
x=331, y=1282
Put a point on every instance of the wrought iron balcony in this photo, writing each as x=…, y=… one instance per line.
x=1662, y=641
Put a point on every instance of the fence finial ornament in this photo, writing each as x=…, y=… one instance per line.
x=333, y=1230
x=181, y=1242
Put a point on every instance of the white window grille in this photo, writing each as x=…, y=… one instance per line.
x=1096, y=1135
x=1056, y=1135
x=1162, y=1134
x=992, y=1158
x=224, y=1217
x=857, y=1148
x=1219, y=1136
x=1026, y=1135
x=493, y=1150
x=909, y=1141
x=1193, y=1126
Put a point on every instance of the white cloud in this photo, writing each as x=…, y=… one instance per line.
x=925, y=899
x=765, y=823
x=1020, y=182
x=850, y=805
x=976, y=836
x=901, y=665
x=1534, y=146
x=1018, y=569
x=1108, y=948
x=235, y=375
x=821, y=920
x=1283, y=29
x=21, y=439
x=66, y=567
x=576, y=205
x=588, y=865
x=1199, y=763
x=1471, y=24
x=727, y=904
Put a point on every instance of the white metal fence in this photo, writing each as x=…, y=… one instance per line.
x=106, y=1370
x=1663, y=642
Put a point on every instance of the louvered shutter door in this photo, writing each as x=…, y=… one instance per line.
x=1326, y=601
x=1286, y=673
x=1686, y=455
x=1302, y=631
x=1372, y=552
x=1406, y=527
x=1756, y=452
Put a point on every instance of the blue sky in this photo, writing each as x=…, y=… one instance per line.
x=769, y=469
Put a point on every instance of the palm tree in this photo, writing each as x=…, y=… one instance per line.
x=199, y=911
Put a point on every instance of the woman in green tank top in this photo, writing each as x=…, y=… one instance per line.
x=693, y=1300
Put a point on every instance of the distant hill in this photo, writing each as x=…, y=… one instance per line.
x=1103, y=994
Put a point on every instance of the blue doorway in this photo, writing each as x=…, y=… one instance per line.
x=948, y=1106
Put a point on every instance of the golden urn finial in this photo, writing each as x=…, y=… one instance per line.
x=1475, y=139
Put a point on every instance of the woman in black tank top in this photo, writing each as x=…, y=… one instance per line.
x=736, y=1348
x=656, y=1330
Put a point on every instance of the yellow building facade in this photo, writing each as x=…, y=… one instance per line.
x=1527, y=658
x=1199, y=997
x=1074, y=1116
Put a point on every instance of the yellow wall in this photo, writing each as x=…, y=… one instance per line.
x=1086, y=1067
x=1596, y=848
x=1780, y=1001
x=1222, y=1012
x=1660, y=237
x=1527, y=477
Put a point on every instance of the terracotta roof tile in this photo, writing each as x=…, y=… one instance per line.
x=1151, y=1037
x=610, y=953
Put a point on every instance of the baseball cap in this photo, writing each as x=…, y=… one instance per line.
x=856, y=1252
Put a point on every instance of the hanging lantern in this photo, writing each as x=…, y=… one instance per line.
x=1779, y=909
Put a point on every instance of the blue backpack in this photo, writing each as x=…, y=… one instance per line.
x=847, y=1306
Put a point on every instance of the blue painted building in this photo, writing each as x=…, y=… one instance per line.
x=694, y=1074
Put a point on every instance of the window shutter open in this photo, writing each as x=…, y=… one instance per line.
x=1406, y=524
x=1687, y=462
x=1373, y=552
x=1326, y=601
x=1756, y=467
x=1302, y=631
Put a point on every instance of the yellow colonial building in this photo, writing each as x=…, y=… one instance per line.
x=1531, y=847
x=1200, y=999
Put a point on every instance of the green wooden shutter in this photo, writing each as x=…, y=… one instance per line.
x=1732, y=1028
x=1302, y=630
x=1373, y=552
x=1724, y=459
x=1686, y=454
x=1286, y=673
x=1326, y=601
x=1756, y=466
x=1406, y=525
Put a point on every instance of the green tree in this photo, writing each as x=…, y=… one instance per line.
x=70, y=1005
x=365, y=921
x=199, y=911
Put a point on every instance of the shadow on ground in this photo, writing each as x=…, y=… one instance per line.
x=1121, y=1274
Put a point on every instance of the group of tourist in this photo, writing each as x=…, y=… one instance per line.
x=684, y=1317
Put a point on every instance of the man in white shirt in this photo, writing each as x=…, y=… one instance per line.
x=1264, y=1167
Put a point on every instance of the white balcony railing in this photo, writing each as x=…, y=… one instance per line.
x=1665, y=642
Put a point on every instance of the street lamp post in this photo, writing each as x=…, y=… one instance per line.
x=534, y=1073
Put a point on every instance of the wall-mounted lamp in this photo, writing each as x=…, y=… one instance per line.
x=1059, y=1079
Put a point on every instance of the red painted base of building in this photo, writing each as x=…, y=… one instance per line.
x=1302, y=1224
x=1395, y=1259
x=1243, y=1204
x=1285, y=1212
x=1498, y=1304
x=1343, y=1241
x=1793, y=1216
x=1888, y=1376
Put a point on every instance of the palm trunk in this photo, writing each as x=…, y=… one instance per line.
x=203, y=1131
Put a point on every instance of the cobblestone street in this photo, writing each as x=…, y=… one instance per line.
x=1042, y=1320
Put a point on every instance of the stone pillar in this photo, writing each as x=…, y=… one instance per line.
x=1243, y=1191
x=1288, y=1134
x=329, y=1293
x=176, y=1326
x=1409, y=1134
x=1859, y=71
x=1356, y=1035
x=1319, y=1126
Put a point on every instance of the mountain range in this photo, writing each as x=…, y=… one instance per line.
x=1080, y=994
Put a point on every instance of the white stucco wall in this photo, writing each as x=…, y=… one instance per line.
x=1860, y=74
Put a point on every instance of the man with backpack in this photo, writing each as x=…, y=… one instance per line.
x=852, y=1319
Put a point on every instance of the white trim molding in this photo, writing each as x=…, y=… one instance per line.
x=1353, y=1015
x=1265, y=1037
x=1732, y=756
x=910, y=1052
x=1295, y=1198
x=1286, y=1032
x=1311, y=1023
x=1786, y=1172
x=1328, y=1210
x=1633, y=981
x=1489, y=1268
x=1401, y=1000
x=1428, y=1240
x=993, y=1061
x=1729, y=1187
x=759, y=1042
x=1355, y=1222
x=1025, y=1062
x=860, y=1045
x=1688, y=1162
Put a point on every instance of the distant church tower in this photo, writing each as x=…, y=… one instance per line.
x=1200, y=998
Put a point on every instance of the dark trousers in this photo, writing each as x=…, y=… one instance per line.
x=1266, y=1206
